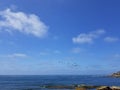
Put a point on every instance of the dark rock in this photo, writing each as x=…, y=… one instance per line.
x=104, y=88
x=115, y=88
x=59, y=87
x=88, y=86
x=117, y=74
x=81, y=87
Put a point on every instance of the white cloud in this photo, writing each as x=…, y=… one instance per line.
x=22, y=22
x=111, y=39
x=87, y=37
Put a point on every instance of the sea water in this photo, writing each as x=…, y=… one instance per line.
x=36, y=82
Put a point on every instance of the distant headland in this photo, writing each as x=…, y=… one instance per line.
x=116, y=74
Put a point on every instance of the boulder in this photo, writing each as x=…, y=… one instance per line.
x=87, y=86
x=104, y=88
x=117, y=74
x=59, y=87
x=115, y=88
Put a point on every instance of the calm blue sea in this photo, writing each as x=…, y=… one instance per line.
x=35, y=82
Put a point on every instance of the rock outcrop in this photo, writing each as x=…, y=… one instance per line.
x=104, y=88
x=117, y=74
x=115, y=88
x=108, y=88
x=82, y=87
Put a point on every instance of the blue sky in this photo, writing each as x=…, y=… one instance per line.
x=47, y=37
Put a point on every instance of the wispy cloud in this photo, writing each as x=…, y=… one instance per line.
x=49, y=52
x=111, y=39
x=44, y=53
x=117, y=56
x=57, y=52
x=113, y=57
x=76, y=50
x=55, y=37
x=22, y=22
x=15, y=55
x=0, y=41
x=21, y=55
x=88, y=37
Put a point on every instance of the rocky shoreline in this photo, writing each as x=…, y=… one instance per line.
x=82, y=87
x=86, y=87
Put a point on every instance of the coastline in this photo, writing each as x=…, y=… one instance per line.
x=74, y=87
x=82, y=87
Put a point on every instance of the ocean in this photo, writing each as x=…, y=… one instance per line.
x=36, y=82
